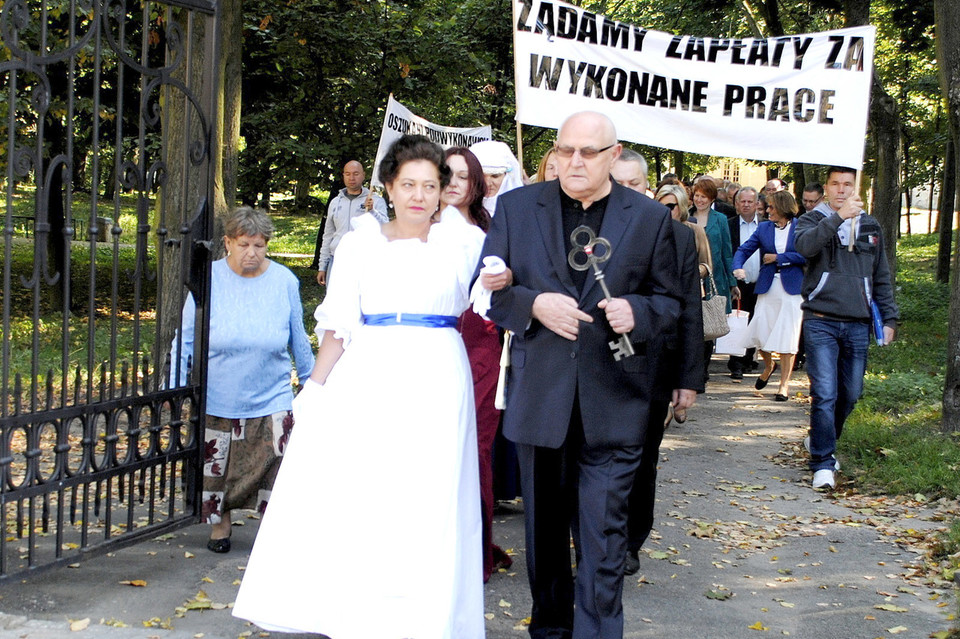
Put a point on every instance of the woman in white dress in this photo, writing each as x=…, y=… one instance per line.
x=775, y=326
x=386, y=418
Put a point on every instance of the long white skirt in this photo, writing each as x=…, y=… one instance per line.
x=373, y=529
x=777, y=320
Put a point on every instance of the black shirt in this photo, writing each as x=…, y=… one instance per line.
x=575, y=215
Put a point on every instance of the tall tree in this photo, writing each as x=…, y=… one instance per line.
x=948, y=53
x=946, y=212
x=186, y=174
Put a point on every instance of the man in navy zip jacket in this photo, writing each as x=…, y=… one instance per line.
x=838, y=288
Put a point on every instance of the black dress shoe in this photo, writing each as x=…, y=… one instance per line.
x=632, y=564
x=736, y=376
x=779, y=398
x=761, y=382
x=219, y=545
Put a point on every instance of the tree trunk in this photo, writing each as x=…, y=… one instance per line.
x=947, y=20
x=301, y=192
x=231, y=72
x=678, y=164
x=885, y=128
x=945, y=214
x=933, y=184
x=799, y=181
x=186, y=184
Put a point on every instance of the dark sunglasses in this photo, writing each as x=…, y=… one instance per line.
x=671, y=205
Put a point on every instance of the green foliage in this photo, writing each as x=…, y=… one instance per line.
x=317, y=75
x=892, y=441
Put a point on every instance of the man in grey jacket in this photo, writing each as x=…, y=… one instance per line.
x=353, y=199
x=840, y=289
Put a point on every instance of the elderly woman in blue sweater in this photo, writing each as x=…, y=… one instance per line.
x=256, y=322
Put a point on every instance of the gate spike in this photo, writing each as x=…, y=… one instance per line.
x=103, y=381
x=77, y=383
x=49, y=389
x=17, y=393
x=146, y=373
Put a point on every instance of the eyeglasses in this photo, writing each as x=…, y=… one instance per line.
x=670, y=205
x=586, y=153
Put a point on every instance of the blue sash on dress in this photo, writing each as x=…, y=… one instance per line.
x=411, y=319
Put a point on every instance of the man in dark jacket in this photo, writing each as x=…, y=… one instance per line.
x=840, y=288
x=575, y=409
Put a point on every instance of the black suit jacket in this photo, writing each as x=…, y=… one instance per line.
x=676, y=358
x=547, y=371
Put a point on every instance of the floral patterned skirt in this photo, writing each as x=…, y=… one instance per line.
x=241, y=460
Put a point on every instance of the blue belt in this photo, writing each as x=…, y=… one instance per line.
x=411, y=319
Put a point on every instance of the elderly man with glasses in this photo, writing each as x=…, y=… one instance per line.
x=577, y=406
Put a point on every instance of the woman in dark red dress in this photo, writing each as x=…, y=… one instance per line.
x=465, y=193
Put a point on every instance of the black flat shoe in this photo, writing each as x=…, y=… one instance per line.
x=779, y=398
x=761, y=382
x=632, y=563
x=219, y=545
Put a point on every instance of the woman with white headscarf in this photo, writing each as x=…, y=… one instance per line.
x=500, y=170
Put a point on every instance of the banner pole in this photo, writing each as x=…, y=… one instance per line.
x=516, y=96
x=520, y=148
x=853, y=221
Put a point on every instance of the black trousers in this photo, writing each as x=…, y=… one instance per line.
x=584, y=489
x=644, y=491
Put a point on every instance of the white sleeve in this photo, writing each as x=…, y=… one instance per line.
x=340, y=310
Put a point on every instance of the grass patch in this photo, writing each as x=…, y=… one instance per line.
x=295, y=233
x=892, y=441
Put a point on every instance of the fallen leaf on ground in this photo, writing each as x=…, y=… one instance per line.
x=79, y=624
x=139, y=583
x=758, y=626
x=890, y=608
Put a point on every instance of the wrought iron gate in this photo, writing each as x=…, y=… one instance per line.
x=107, y=127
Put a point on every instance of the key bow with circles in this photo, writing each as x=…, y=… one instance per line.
x=589, y=250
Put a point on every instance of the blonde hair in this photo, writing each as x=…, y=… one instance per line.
x=542, y=169
x=677, y=191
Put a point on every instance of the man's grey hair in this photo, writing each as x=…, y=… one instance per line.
x=746, y=188
x=629, y=155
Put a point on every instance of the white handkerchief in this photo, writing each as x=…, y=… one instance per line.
x=492, y=265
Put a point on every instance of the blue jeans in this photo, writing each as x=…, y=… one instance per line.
x=836, y=363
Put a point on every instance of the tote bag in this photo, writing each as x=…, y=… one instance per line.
x=714, y=311
x=737, y=340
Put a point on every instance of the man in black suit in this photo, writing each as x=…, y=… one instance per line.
x=676, y=368
x=576, y=413
x=742, y=226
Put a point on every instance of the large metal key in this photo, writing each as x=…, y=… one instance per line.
x=590, y=251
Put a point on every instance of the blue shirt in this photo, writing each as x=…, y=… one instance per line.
x=255, y=323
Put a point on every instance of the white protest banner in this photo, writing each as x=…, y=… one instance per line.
x=399, y=121
x=800, y=98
